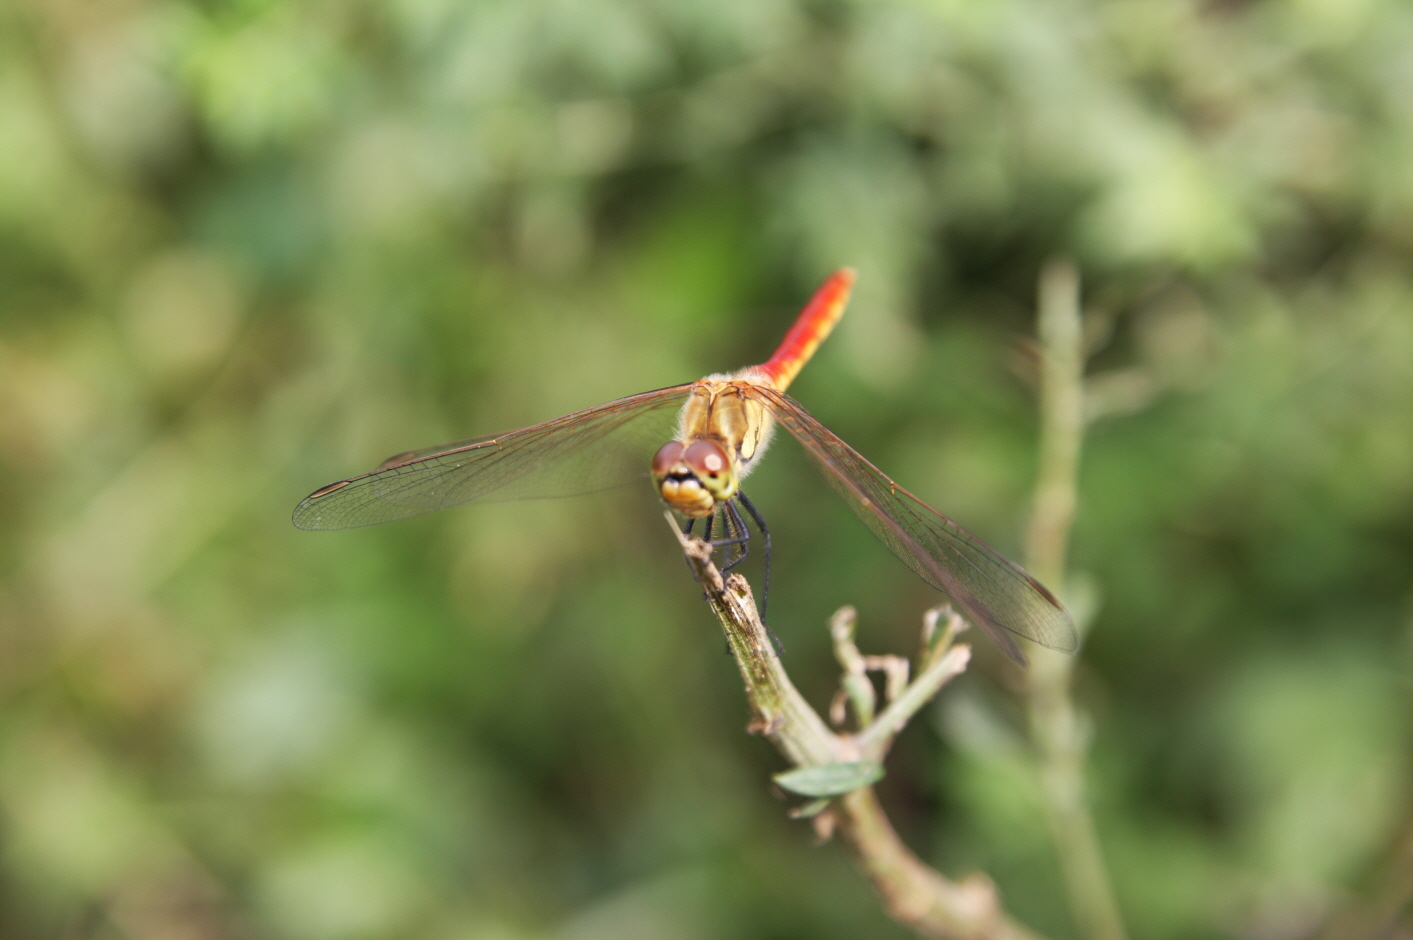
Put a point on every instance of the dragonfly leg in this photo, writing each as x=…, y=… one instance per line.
x=738, y=540
x=740, y=537
x=765, y=534
x=706, y=537
x=717, y=543
x=765, y=590
x=687, y=530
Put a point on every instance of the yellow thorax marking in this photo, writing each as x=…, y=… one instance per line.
x=717, y=410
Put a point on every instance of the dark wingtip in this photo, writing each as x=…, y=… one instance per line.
x=325, y=491
x=1071, y=643
x=303, y=517
x=1044, y=591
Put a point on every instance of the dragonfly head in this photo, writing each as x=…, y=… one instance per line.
x=693, y=478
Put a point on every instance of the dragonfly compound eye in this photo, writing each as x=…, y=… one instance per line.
x=666, y=457
x=709, y=464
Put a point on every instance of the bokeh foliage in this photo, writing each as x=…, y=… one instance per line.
x=248, y=247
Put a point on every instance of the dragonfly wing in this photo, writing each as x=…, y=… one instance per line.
x=588, y=451
x=994, y=592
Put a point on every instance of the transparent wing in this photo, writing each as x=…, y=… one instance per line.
x=591, y=450
x=996, y=594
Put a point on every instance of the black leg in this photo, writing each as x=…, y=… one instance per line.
x=765, y=534
x=737, y=535
x=688, y=531
x=740, y=536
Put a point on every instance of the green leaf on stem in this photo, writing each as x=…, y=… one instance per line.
x=809, y=810
x=830, y=779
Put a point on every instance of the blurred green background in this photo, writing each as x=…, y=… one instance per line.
x=250, y=247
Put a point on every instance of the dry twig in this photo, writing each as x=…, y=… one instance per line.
x=913, y=893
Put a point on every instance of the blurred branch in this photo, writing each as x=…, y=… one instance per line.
x=1057, y=728
x=913, y=893
x=941, y=661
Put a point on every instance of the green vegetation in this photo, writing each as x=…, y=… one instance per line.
x=249, y=247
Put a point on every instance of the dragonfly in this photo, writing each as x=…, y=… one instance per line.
x=717, y=429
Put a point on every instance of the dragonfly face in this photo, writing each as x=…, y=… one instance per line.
x=692, y=479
